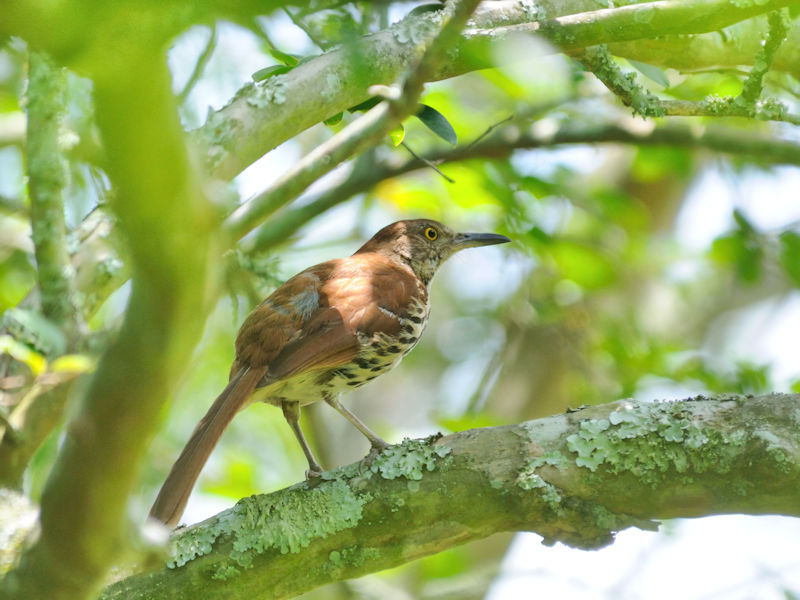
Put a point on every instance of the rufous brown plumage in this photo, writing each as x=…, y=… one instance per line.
x=330, y=328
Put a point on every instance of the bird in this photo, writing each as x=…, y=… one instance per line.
x=331, y=328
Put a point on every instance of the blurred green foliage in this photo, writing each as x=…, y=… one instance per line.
x=601, y=296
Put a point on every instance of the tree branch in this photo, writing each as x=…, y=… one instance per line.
x=577, y=478
x=337, y=80
x=365, y=130
x=504, y=141
x=599, y=61
x=47, y=177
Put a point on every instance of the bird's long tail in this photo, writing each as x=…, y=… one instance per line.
x=174, y=494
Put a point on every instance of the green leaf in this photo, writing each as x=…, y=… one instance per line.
x=72, y=363
x=652, y=72
x=270, y=71
x=740, y=250
x=334, y=120
x=290, y=60
x=20, y=352
x=397, y=134
x=742, y=222
x=438, y=124
x=583, y=264
x=790, y=256
x=425, y=8
x=365, y=105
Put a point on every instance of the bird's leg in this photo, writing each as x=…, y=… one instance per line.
x=377, y=443
x=291, y=410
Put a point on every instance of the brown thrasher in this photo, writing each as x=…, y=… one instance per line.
x=330, y=328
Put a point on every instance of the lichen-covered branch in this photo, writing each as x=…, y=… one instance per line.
x=47, y=178
x=265, y=114
x=577, y=478
x=363, y=131
x=625, y=86
x=33, y=421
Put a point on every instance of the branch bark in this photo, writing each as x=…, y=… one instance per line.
x=577, y=478
x=260, y=118
x=47, y=178
x=167, y=224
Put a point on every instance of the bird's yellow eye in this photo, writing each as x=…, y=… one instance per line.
x=431, y=233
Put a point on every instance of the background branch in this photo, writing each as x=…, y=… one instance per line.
x=47, y=177
x=258, y=119
x=368, y=171
x=356, y=136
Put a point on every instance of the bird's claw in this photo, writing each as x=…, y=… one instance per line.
x=373, y=453
x=314, y=473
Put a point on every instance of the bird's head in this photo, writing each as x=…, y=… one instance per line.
x=425, y=244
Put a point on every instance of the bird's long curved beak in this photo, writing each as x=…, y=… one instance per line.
x=472, y=240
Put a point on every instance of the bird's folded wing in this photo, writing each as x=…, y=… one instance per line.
x=326, y=342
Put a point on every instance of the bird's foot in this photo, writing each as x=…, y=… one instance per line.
x=374, y=451
x=314, y=472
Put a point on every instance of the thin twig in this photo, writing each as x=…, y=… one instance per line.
x=499, y=146
x=489, y=130
x=199, y=66
x=599, y=61
x=427, y=162
x=321, y=44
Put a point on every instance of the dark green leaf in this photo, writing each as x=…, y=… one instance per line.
x=334, y=120
x=271, y=71
x=438, y=124
x=365, y=105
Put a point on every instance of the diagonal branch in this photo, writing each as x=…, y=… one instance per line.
x=577, y=478
x=504, y=141
x=599, y=61
x=331, y=83
x=359, y=134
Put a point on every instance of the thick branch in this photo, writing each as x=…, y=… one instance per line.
x=576, y=478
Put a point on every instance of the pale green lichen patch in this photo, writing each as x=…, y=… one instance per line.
x=549, y=493
x=417, y=29
x=351, y=556
x=528, y=479
x=224, y=572
x=190, y=544
x=286, y=521
x=648, y=440
x=270, y=91
x=410, y=459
